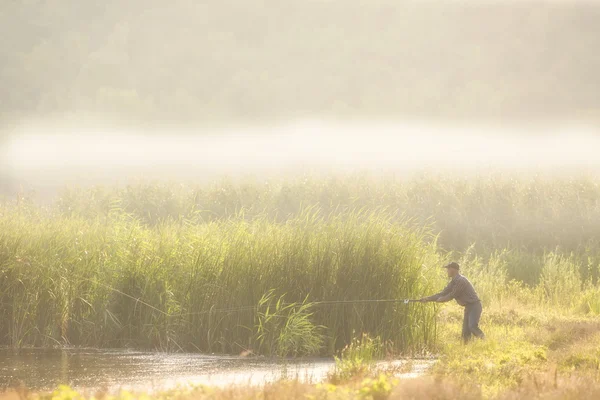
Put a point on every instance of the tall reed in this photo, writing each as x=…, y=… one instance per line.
x=113, y=281
x=495, y=211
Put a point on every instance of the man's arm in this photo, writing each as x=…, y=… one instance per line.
x=455, y=291
x=447, y=290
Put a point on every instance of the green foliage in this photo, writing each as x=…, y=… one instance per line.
x=64, y=392
x=582, y=360
x=365, y=348
x=285, y=329
x=357, y=359
x=503, y=360
x=378, y=388
x=348, y=369
x=523, y=265
x=489, y=277
x=561, y=279
x=589, y=302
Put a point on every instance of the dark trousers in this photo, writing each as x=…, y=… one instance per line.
x=471, y=322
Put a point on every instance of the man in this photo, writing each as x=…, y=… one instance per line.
x=462, y=290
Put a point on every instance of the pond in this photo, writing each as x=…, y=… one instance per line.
x=111, y=370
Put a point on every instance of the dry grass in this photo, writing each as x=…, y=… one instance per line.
x=543, y=386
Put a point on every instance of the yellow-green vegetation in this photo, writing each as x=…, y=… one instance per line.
x=381, y=387
x=231, y=268
x=357, y=359
x=523, y=346
x=548, y=332
x=527, y=214
x=223, y=286
x=378, y=388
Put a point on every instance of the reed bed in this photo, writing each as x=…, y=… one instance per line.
x=527, y=216
x=222, y=286
x=494, y=211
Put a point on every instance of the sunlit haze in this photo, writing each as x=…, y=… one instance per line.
x=95, y=156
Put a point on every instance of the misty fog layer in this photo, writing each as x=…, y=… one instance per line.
x=46, y=161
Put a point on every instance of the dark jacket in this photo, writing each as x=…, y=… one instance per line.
x=460, y=289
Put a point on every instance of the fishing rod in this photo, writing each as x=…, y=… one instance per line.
x=325, y=302
x=312, y=303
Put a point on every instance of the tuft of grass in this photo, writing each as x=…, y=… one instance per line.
x=357, y=360
x=286, y=329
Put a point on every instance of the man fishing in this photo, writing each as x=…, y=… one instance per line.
x=463, y=292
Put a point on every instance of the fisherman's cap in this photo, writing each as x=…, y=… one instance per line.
x=452, y=265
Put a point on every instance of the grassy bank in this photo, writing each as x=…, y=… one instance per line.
x=542, y=340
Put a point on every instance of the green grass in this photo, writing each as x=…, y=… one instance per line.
x=536, y=335
x=527, y=348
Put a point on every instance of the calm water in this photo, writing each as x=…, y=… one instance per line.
x=110, y=370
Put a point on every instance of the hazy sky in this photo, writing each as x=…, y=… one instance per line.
x=156, y=62
x=105, y=91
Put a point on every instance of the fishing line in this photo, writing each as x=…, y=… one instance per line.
x=125, y=294
x=248, y=308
